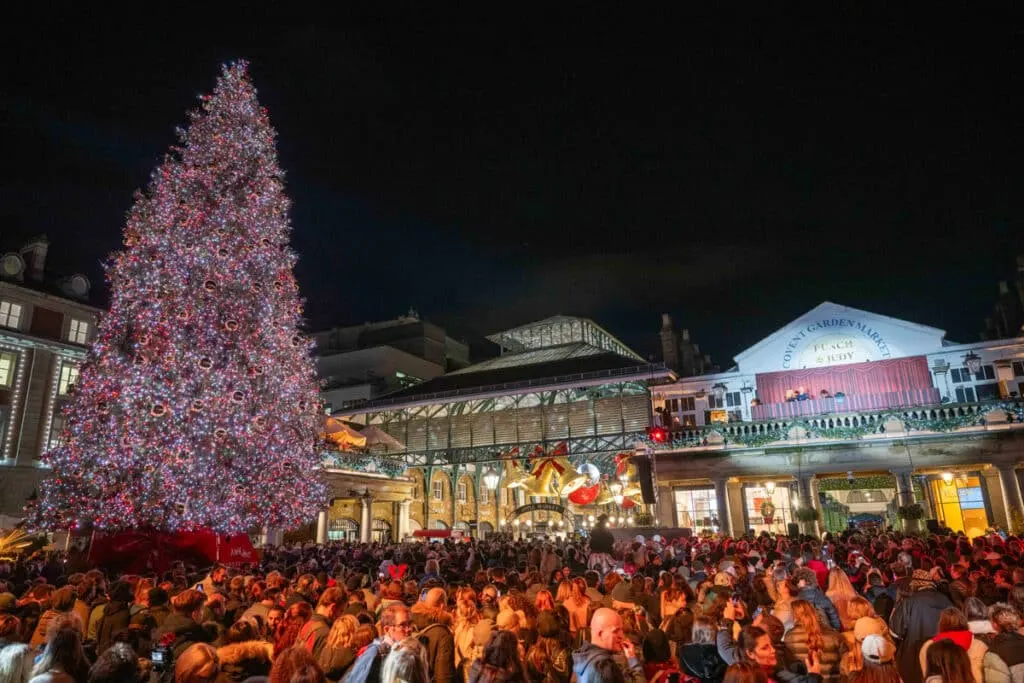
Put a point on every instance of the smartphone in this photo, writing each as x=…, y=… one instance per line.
x=199, y=587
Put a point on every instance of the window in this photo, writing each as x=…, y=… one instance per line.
x=985, y=372
x=438, y=524
x=987, y=392
x=438, y=488
x=714, y=402
x=964, y=395
x=68, y=378
x=56, y=430
x=732, y=399
x=381, y=530
x=485, y=495
x=696, y=509
x=10, y=315
x=1018, y=368
x=78, y=332
x=7, y=363
x=461, y=493
x=960, y=375
x=343, y=529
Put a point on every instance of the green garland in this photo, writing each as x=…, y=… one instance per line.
x=942, y=424
x=842, y=433
x=877, y=481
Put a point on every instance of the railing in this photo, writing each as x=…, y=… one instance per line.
x=507, y=386
x=843, y=426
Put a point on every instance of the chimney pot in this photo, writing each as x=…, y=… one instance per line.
x=34, y=254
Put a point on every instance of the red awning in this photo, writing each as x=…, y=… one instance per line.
x=432, y=533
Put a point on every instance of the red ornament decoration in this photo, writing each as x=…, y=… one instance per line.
x=585, y=495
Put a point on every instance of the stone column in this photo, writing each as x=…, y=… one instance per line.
x=805, y=491
x=665, y=510
x=904, y=487
x=272, y=536
x=321, y=527
x=1011, y=495
x=722, y=498
x=403, y=519
x=365, y=519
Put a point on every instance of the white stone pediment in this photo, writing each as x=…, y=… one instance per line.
x=830, y=334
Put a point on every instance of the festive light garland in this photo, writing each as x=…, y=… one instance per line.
x=197, y=405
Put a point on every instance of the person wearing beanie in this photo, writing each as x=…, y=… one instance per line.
x=913, y=621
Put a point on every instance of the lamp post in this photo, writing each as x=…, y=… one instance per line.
x=973, y=362
x=769, y=486
x=491, y=478
x=616, y=489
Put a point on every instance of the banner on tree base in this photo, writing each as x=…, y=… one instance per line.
x=137, y=551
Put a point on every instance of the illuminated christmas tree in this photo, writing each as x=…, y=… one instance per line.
x=198, y=404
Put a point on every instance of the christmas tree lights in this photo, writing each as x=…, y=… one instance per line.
x=198, y=404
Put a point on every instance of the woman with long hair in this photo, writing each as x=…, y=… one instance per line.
x=406, y=663
x=953, y=627
x=500, y=661
x=63, y=660
x=841, y=592
x=808, y=636
x=947, y=662
x=288, y=630
x=578, y=605
x=295, y=665
x=672, y=596
x=878, y=657
x=339, y=651
x=549, y=660
x=544, y=601
x=745, y=672
x=466, y=618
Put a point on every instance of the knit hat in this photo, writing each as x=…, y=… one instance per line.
x=877, y=650
x=868, y=626
x=921, y=580
x=723, y=579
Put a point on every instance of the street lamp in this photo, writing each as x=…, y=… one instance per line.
x=491, y=478
x=719, y=391
x=769, y=486
x=616, y=489
x=947, y=477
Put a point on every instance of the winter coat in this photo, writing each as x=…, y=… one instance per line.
x=53, y=676
x=583, y=661
x=434, y=631
x=116, y=617
x=335, y=661
x=366, y=668
x=831, y=653
x=824, y=606
x=39, y=635
x=313, y=634
x=1010, y=648
x=92, y=624
x=15, y=662
x=240, y=661
x=913, y=622
x=182, y=632
x=702, y=662
x=986, y=667
x=555, y=659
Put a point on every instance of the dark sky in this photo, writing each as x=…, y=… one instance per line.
x=734, y=169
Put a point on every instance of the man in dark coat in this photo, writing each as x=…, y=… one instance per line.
x=116, y=615
x=913, y=622
x=434, y=631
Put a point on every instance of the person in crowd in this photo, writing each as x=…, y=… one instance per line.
x=1008, y=643
x=465, y=619
x=433, y=622
x=15, y=657
x=947, y=662
x=244, y=653
x=395, y=625
x=840, y=592
x=913, y=622
x=985, y=666
x=808, y=590
x=62, y=602
x=215, y=580
x=63, y=660
x=116, y=664
x=180, y=630
x=116, y=614
x=313, y=634
x=878, y=655
x=339, y=651
x=156, y=611
x=659, y=664
x=699, y=658
x=549, y=659
x=295, y=665
x=602, y=544
x=501, y=661
x=295, y=617
x=745, y=672
x=406, y=662
x=592, y=662
x=809, y=639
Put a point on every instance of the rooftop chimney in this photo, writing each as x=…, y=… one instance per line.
x=686, y=335
x=666, y=321
x=34, y=254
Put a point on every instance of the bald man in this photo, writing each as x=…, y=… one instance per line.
x=434, y=623
x=593, y=662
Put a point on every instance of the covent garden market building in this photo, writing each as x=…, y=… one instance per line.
x=841, y=416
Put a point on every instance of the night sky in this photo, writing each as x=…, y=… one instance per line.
x=733, y=169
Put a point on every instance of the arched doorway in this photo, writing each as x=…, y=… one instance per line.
x=381, y=530
x=343, y=529
x=464, y=528
x=484, y=529
x=438, y=524
x=414, y=525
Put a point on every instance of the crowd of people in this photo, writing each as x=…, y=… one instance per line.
x=858, y=607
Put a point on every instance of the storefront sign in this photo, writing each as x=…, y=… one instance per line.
x=834, y=341
x=543, y=507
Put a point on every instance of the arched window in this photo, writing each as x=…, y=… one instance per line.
x=343, y=529
x=484, y=528
x=438, y=524
x=463, y=527
x=381, y=530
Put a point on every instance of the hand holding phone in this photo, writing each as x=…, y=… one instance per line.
x=627, y=649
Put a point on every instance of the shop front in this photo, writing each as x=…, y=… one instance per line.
x=961, y=502
x=769, y=506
